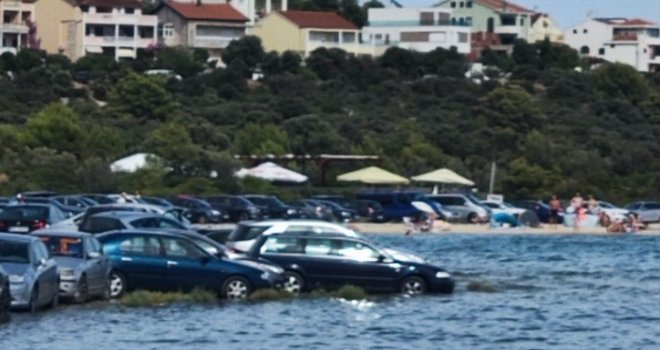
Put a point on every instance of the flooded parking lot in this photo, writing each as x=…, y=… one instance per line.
x=514, y=292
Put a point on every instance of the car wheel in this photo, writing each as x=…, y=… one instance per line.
x=473, y=218
x=5, y=304
x=294, y=282
x=83, y=291
x=413, y=286
x=34, y=299
x=235, y=288
x=117, y=285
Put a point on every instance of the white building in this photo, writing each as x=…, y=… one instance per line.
x=418, y=29
x=631, y=41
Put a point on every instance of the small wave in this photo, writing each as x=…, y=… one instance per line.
x=482, y=287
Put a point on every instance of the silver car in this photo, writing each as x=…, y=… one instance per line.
x=463, y=206
x=647, y=211
x=83, y=269
x=32, y=272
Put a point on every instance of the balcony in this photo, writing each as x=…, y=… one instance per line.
x=213, y=42
x=14, y=28
x=126, y=41
x=415, y=23
x=510, y=30
x=116, y=18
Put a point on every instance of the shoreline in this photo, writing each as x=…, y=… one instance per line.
x=400, y=228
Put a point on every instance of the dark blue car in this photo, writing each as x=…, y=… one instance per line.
x=315, y=261
x=171, y=262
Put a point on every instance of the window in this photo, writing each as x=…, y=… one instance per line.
x=246, y=232
x=166, y=223
x=282, y=245
x=16, y=252
x=453, y=21
x=546, y=24
x=129, y=10
x=348, y=37
x=462, y=37
x=574, y=31
x=612, y=46
x=181, y=248
x=584, y=50
x=443, y=18
x=453, y=4
x=168, y=30
x=140, y=245
x=426, y=18
x=522, y=22
x=101, y=224
x=64, y=246
x=145, y=223
x=84, y=8
x=357, y=251
x=585, y=31
x=601, y=51
x=461, y=21
x=462, y=4
x=318, y=247
x=468, y=21
x=468, y=4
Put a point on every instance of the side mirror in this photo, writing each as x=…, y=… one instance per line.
x=41, y=262
x=382, y=258
x=93, y=255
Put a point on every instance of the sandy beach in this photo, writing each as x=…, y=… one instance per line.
x=395, y=228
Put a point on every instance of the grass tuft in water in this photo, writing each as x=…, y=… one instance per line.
x=269, y=294
x=143, y=298
x=350, y=292
x=481, y=286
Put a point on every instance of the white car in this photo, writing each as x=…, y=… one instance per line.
x=615, y=213
x=503, y=207
x=246, y=234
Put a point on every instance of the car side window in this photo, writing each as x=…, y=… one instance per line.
x=181, y=248
x=357, y=251
x=145, y=223
x=299, y=228
x=318, y=247
x=95, y=245
x=42, y=251
x=140, y=246
x=282, y=245
x=166, y=223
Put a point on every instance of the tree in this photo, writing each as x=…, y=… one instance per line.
x=514, y=108
x=621, y=81
x=180, y=60
x=56, y=127
x=144, y=98
x=172, y=143
x=261, y=139
x=248, y=49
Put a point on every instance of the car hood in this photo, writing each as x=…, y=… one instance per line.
x=15, y=268
x=405, y=256
x=67, y=262
x=260, y=264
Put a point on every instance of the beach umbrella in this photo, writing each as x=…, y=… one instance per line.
x=272, y=172
x=373, y=176
x=132, y=163
x=443, y=176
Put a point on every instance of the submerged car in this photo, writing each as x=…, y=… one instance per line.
x=33, y=278
x=170, y=262
x=83, y=269
x=329, y=261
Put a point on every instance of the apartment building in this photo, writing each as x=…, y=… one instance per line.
x=117, y=28
x=631, y=41
x=544, y=27
x=254, y=10
x=418, y=29
x=16, y=26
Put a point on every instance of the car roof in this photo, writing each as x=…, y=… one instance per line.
x=288, y=222
x=315, y=235
x=120, y=214
x=30, y=205
x=17, y=238
x=131, y=232
x=77, y=234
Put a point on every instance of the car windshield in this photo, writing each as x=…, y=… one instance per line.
x=267, y=201
x=63, y=246
x=208, y=247
x=15, y=252
x=27, y=213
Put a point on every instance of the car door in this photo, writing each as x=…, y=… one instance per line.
x=47, y=272
x=142, y=261
x=96, y=269
x=189, y=266
x=324, y=266
x=365, y=267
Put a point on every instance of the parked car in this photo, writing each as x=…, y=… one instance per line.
x=246, y=234
x=101, y=199
x=463, y=206
x=613, y=212
x=330, y=261
x=541, y=209
x=648, y=211
x=316, y=209
x=200, y=211
x=67, y=210
x=275, y=208
x=161, y=202
x=83, y=269
x=339, y=212
x=5, y=296
x=33, y=278
x=238, y=208
x=140, y=208
x=370, y=210
x=170, y=262
x=127, y=220
x=504, y=207
x=37, y=194
x=24, y=218
x=74, y=201
x=397, y=205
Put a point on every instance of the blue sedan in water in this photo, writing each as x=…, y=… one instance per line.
x=164, y=261
x=314, y=260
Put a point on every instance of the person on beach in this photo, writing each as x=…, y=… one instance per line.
x=555, y=208
x=577, y=202
x=592, y=204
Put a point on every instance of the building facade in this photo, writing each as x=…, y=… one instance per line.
x=200, y=25
x=415, y=29
x=305, y=31
x=254, y=10
x=16, y=24
x=635, y=42
x=544, y=27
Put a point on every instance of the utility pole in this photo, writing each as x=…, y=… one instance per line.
x=493, y=168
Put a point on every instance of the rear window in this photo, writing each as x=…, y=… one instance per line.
x=64, y=246
x=16, y=252
x=652, y=206
x=97, y=225
x=24, y=213
x=246, y=232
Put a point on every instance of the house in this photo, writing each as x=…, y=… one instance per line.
x=495, y=23
x=254, y=10
x=113, y=27
x=418, y=29
x=209, y=26
x=305, y=31
x=631, y=41
x=15, y=24
x=544, y=27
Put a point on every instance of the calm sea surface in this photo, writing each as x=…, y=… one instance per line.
x=514, y=292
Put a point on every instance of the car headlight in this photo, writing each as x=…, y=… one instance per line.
x=345, y=213
x=442, y=274
x=215, y=212
x=16, y=279
x=253, y=210
x=265, y=275
x=66, y=272
x=291, y=211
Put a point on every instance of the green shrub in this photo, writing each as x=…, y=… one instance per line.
x=350, y=292
x=143, y=298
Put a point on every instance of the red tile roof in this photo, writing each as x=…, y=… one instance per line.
x=500, y=5
x=637, y=22
x=206, y=12
x=112, y=3
x=312, y=19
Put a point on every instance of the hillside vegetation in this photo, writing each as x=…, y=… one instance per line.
x=549, y=127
